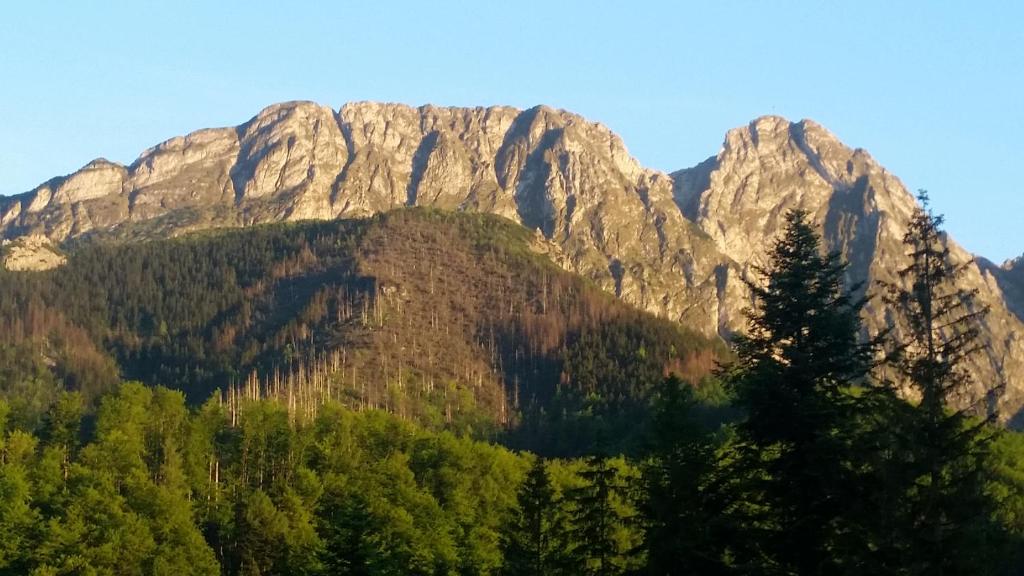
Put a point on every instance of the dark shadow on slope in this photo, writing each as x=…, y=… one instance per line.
x=419, y=166
x=689, y=184
x=1010, y=281
x=525, y=161
x=851, y=228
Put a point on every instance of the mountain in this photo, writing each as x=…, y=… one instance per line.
x=1015, y=281
x=614, y=221
x=740, y=198
x=678, y=246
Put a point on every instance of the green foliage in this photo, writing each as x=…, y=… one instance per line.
x=26, y=383
x=329, y=378
x=602, y=542
x=1005, y=489
x=152, y=487
x=828, y=472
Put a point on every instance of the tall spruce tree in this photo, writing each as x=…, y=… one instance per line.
x=944, y=510
x=595, y=550
x=684, y=501
x=794, y=376
x=533, y=543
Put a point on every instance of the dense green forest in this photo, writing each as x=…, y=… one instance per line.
x=333, y=404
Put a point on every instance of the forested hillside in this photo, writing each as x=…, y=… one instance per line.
x=452, y=320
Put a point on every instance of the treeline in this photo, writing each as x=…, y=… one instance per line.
x=446, y=319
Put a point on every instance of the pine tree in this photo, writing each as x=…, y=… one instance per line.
x=944, y=508
x=532, y=544
x=683, y=502
x=795, y=370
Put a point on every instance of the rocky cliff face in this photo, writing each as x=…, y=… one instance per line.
x=740, y=197
x=674, y=245
x=612, y=220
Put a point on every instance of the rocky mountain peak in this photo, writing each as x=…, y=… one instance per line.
x=770, y=166
x=613, y=221
x=740, y=198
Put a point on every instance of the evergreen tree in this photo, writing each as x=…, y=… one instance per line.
x=944, y=509
x=532, y=544
x=683, y=502
x=596, y=550
x=793, y=377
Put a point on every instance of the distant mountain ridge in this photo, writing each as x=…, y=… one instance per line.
x=676, y=245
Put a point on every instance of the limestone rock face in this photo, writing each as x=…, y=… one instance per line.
x=290, y=156
x=97, y=179
x=740, y=198
x=676, y=245
x=183, y=172
x=72, y=205
x=32, y=252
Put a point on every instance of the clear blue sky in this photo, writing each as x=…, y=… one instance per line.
x=934, y=90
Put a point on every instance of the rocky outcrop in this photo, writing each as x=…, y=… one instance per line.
x=675, y=245
x=740, y=197
x=30, y=253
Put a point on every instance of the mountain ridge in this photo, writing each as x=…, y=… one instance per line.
x=544, y=168
x=679, y=245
